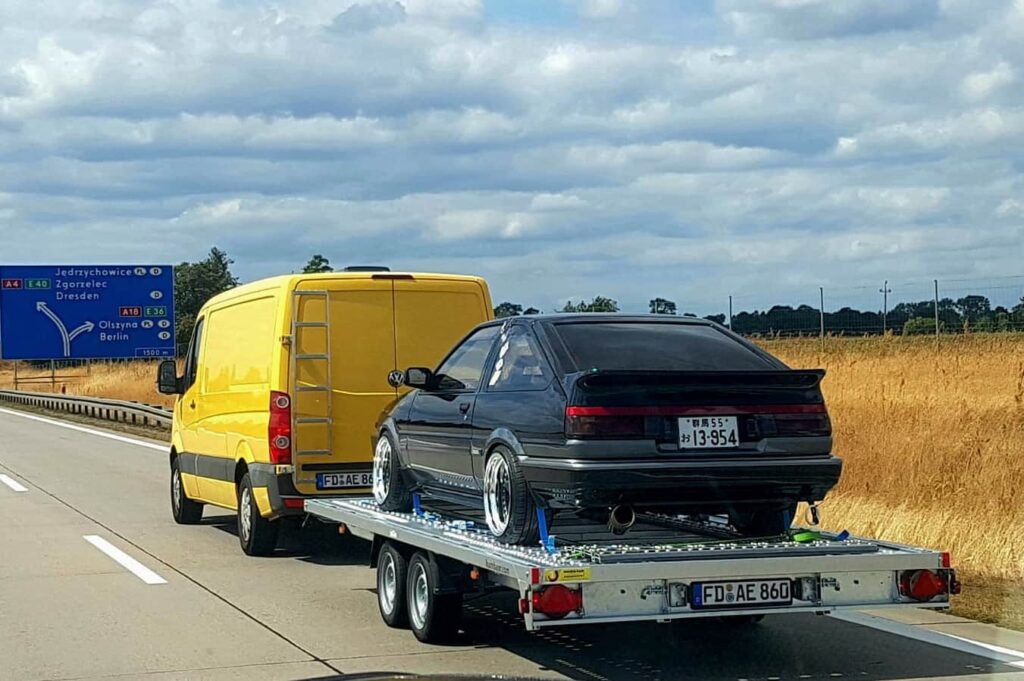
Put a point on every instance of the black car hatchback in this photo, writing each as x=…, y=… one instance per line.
x=608, y=415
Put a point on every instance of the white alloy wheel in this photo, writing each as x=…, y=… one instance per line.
x=382, y=470
x=497, y=494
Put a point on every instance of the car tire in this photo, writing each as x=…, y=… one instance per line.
x=392, y=575
x=509, y=507
x=763, y=522
x=433, y=617
x=390, y=490
x=256, y=534
x=184, y=510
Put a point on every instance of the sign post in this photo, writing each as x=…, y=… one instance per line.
x=59, y=312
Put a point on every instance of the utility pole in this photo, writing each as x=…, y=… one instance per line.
x=885, y=291
x=936, y=310
x=821, y=314
x=730, y=313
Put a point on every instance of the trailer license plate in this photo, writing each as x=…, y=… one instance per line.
x=708, y=432
x=754, y=593
x=342, y=480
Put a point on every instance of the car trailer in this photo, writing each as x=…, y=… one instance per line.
x=664, y=569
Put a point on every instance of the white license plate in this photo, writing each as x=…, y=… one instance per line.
x=740, y=594
x=708, y=432
x=342, y=480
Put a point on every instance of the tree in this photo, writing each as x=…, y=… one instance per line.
x=662, y=306
x=194, y=284
x=920, y=325
x=973, y=308
x=531, y=310
x=507, y=309
x=317, y=264
x=598, y=304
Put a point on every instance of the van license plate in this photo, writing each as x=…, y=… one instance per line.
x=741, y=594
x=342, y=480
x=708, y=432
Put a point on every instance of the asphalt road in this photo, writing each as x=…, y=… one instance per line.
x=70, y=611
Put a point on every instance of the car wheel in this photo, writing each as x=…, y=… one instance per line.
x=392, y=575
x=763, y=522
x=389, y=488
x=509, y=508
x=184, y=510
x=433, y=617
x=256, y=534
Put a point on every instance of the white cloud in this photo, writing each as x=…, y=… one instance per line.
x=980, y=85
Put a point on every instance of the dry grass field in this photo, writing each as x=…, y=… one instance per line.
x=932, y=436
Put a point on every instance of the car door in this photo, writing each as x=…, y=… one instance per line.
x=439, y=431
x=188, y=405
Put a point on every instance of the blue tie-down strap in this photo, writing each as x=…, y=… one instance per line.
x=546, y=540
x=417, y=507
x=843, y=536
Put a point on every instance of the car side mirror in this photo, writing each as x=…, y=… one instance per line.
x=419, y=377
x=167, y=381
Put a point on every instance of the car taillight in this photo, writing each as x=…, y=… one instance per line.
x=557, y=601
x=279, y=430
x=803, y=425
x=598, y=422
x=923, y=585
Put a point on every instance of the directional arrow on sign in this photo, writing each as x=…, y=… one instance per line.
x=66, y=337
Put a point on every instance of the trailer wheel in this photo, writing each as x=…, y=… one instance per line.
x=392, y=574
x=433, y=617
x=389, y=488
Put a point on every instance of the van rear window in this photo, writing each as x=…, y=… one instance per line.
x=639, y=346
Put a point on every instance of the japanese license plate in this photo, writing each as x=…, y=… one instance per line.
x=342, y=480
x=708, y=432
x=740, y=594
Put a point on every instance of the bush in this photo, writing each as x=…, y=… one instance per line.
x=920, y=325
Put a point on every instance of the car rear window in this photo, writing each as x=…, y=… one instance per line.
x=639, y=346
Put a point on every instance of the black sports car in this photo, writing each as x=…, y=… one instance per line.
x=606, y=415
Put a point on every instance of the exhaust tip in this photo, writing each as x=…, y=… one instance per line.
x=621, y=518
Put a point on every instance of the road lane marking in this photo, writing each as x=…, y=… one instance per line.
x=1006, y=656
x=83, y=429
x=12, y=483
x=124, y=560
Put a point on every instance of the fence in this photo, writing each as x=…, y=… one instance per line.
x=912, y=308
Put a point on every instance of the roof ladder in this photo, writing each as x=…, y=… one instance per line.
x=311, y=373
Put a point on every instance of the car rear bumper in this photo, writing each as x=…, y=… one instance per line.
x=690, y=484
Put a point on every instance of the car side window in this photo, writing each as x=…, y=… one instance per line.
x=519, y=364
x=192, y=363
x=463, y=368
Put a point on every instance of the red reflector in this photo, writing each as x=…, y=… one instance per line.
x=534, y=575
x=922, y=585
x=945, y=559
x=293, y=503
x=279, y=428
x=557, y=601
x=524, y=606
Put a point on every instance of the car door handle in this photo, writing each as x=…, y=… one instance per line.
x=192, y=404
x=463, y=407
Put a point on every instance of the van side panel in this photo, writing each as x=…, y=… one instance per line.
x=361, y=346
x=234, y=384
x=432, y=314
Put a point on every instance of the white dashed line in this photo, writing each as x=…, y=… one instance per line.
x=124, y=560
x=83, y=429
x=12, y=483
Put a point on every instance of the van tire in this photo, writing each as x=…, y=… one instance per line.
x=184, y=510
x=390, y=490
x=256, y=534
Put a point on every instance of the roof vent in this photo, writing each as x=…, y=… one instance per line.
x=367, y=268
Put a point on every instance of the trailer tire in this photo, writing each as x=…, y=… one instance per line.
x=256, y=534
x=433, y=617
x=390, y=490
x=392, y=575
x=184, y=510
x=509, y=508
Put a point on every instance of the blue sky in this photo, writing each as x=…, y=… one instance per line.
x=561, y=148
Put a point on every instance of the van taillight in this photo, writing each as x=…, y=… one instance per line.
x=279, y=432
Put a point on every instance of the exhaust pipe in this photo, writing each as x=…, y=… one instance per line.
x=621, y=518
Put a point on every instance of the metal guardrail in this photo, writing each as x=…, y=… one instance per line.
x=121, y=411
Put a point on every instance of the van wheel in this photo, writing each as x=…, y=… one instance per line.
x=184, y=510
x=392, y=574
x=509, y=508
x=433, y=617
x=256, y=534
x=389, y=488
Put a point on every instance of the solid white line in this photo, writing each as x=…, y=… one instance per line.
x=1013, y=658
x=12, y=483
x=126, y=561
x=83, y=429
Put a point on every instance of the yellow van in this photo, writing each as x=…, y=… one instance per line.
x=285, y=379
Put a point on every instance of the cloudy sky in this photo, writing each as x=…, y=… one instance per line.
x=628, y=148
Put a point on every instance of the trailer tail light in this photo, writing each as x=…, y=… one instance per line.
x=945, y=559
x=279, y=429
x=557, y=601
x=923, y=585
x=293, y=503
x=602, y=422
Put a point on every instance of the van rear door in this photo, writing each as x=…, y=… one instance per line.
x=343, y=346
x=432, y=314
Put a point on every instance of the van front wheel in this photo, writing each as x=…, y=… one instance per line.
x=256, y=534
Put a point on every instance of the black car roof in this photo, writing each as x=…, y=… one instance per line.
x=574, y=317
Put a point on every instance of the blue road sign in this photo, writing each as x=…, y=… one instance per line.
x=86, y=311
